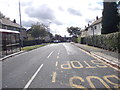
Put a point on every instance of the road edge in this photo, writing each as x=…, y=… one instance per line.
x=11, y=55
x=101, y=58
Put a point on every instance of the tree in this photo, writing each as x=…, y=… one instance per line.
x=110, y=18
x=74, y=31
x=38, y=31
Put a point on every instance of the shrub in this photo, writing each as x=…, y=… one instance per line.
x=32, y=42
x=108, y=41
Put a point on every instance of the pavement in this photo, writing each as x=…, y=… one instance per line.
x=60, y=65
x=11, y=55
x=108, y=56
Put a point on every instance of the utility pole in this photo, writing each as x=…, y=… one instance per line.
x=21, y=38
x=49, y=26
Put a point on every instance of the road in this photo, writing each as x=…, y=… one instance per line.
x=60, y=65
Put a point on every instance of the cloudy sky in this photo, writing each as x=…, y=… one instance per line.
x=61, y=13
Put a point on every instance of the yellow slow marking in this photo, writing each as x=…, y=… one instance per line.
x=54, y=77
x=80, y=65
x=56, y=63
x=89, y=66
x=116, y=85
x=99, y=59
x=95, y=77
x=75, y=85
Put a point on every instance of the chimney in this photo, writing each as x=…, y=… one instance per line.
x=88, y=25
x=97, y=18
x=14, y=21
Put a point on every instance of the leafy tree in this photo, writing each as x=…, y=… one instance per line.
x=110, y=18
x=57, y=37
x=74, y=31
x=38, y=31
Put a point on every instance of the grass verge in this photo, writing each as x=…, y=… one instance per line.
x=28, y=48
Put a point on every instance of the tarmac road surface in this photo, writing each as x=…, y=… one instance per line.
x=59, y=65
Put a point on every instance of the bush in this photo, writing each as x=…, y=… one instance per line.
x=108, y=41
x=32, y=42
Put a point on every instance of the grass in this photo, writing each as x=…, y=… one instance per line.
x=28, y=48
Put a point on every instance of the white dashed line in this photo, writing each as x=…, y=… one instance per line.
x=50, y=54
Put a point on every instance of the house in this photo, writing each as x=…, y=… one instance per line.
x=6, y=23
x=84, y=32
x=93, y=29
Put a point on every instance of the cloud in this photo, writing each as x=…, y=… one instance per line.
x=95, y=8
x=43, y=13
x=28, y=23
x=57, y=22
x=74, y=12
x=60, y=8
x=26, y=3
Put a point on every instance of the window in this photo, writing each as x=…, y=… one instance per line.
x=95, y=27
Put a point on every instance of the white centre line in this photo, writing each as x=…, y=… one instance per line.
x=32, y=78
x=58, y=57
x=58, y=52
x=56, y=63
x=50, y=54
x=54, y=77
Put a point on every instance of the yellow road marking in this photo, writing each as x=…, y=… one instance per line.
x=68, y=64
x=89, y=66
x=56, y=63
x=75, y=85
x=95, y=77
x=72, y=63
x=99, y=59
x=116, y=85
x=54, y=77
x=101, y=64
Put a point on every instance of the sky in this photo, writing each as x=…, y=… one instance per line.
x=57, y=14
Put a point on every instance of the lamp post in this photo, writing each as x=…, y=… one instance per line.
x=49, y=26
x=21, y=38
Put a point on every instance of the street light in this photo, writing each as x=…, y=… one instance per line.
x=21, y=38
x=49, y=26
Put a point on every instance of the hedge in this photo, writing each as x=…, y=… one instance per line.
x=107, y=41
x=32, y=42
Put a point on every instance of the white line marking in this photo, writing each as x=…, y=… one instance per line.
x=58, y=52
x=56, y=63
x=54, y=77
x=50, y=54
x=32, y=78
x=58, y=57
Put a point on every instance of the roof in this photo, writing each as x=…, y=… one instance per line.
x=8, y=22
x=97, y=21
x=8, y=31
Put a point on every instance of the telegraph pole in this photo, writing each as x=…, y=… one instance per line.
x=21, y=38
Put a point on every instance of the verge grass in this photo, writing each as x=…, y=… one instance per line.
x=28, y=48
